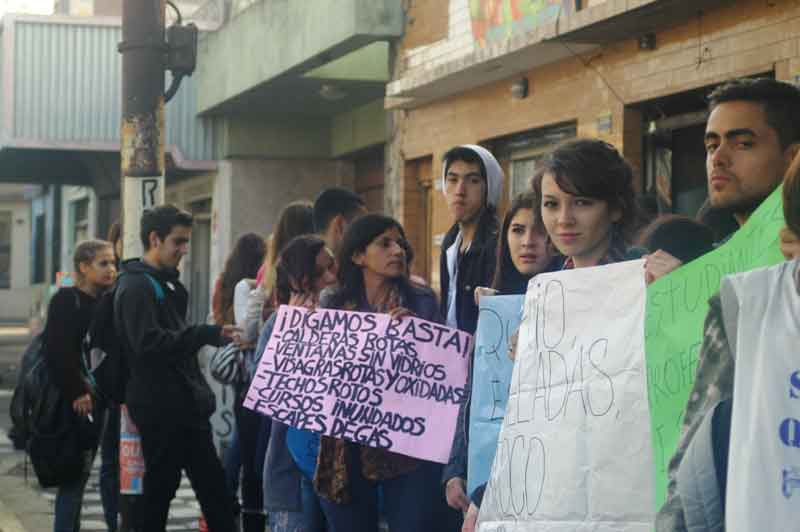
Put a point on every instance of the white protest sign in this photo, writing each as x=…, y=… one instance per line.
x=574, y=451
x=763, y=487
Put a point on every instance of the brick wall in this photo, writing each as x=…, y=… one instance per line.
x=427, y=22
x=747, y=38
x=445, y=38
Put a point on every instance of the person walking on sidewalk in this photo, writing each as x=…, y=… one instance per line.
x=167, y=395
x=68, y=318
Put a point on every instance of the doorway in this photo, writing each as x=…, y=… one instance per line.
x=674, y=163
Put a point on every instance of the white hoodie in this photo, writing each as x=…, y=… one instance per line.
x=494, y=174
x=494, y=188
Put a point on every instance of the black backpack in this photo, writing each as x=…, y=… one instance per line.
x=58, y=437
x=103, y=346
x=44, y=423
x=31, y=380
x=23, y=397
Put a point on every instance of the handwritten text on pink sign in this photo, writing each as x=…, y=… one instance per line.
x=392, y=384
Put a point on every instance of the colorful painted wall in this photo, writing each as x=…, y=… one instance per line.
x=497, y=20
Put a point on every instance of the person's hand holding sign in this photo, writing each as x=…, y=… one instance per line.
x=398, y=313
x=303, y=299
x=659, y=264
x=455, y=491
x=481, y=291
x=229, y=333
x=470, y=519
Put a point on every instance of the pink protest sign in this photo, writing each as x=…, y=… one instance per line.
x=392, y=384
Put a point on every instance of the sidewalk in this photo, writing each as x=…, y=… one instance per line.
x=22, y=507
x=25, y=507
x=14, y=333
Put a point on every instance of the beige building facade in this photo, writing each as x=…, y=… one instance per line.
x=519, y=76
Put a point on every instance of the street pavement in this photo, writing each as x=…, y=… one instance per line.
x=24, y=506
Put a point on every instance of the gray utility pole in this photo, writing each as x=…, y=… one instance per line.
x=147, y=52
x=144, y=58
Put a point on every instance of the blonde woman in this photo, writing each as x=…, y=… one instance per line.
x=68, y=318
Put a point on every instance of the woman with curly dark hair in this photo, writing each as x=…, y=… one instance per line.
x=303, y=269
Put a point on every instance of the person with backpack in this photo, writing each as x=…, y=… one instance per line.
x=167, y=395
x=69, y=316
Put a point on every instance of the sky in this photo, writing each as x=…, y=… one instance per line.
x=43, y=7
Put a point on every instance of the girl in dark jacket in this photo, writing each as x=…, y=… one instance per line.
x=68, y=318
x=522, y=252
x=372, y=278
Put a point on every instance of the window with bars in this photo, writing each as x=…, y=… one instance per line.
x=525, y=151
x=80, y=213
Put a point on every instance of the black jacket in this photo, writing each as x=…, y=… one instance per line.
x=166, y=384
x=476, y=268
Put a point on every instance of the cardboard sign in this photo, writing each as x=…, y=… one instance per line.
x=498, y=320
x=364, y=377
x=574, y=451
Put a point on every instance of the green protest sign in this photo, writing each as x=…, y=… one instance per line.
x=676, y=308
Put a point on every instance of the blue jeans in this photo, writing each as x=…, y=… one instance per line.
x=310, y=519
x=69, y=499
x=109, y=468
x=413, y=501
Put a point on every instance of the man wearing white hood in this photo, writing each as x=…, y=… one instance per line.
x=472, y=181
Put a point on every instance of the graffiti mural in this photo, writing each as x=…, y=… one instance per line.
x=495, y=21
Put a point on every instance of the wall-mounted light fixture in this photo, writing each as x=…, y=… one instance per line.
x=331, y=93
x=519, y=89
x=647, y=41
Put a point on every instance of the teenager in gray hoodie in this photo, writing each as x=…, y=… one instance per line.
x=472, y=181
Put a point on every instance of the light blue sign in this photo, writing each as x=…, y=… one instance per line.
x=498, y=320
